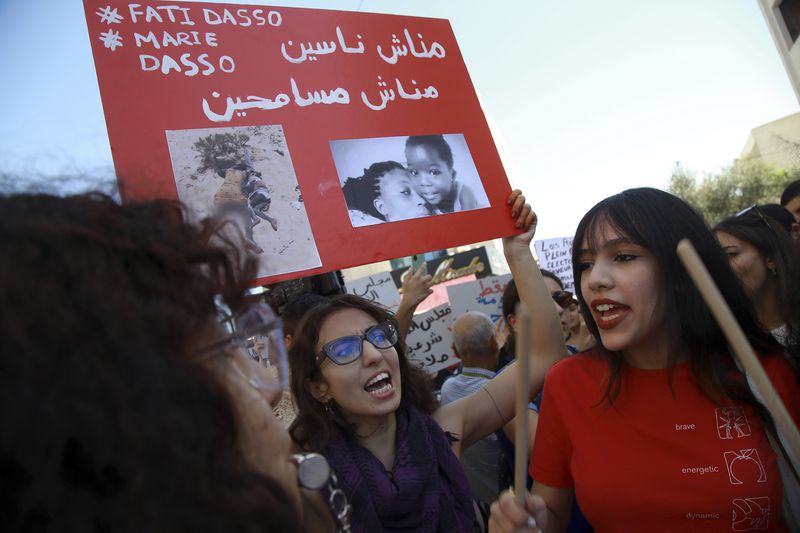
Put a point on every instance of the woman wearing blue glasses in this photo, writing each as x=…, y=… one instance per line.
x=363, y=405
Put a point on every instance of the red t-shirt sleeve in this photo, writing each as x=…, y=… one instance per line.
x=552, y=449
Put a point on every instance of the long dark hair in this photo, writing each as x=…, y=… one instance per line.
x=109, y=423
x=509, y=305
x=313, y=427
x=657, y=221
x=772, y=241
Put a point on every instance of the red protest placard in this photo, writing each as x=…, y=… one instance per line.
x=329, y=139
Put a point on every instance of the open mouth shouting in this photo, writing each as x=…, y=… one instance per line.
x=380, y=386
x=608, y=313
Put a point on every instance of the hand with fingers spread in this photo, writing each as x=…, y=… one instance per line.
x=508, y=517
x=416, y=287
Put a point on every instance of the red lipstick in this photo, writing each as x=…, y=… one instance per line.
x=608, y=313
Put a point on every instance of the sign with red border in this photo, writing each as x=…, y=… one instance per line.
x=326, y=139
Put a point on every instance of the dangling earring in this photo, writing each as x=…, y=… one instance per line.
x=773, y=271
x=327, y=406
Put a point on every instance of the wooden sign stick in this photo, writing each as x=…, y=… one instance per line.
x=523, y=398
x=742, y=349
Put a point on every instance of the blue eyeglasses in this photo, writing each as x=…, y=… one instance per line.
x=347, y=349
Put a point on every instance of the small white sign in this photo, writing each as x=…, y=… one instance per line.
x=555, y=255
x=484, y=295
x=430, y=339
x=377, y=288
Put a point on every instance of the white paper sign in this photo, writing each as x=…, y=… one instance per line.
x=378, y=288
x=555, y=255
x=484, y=295
x=430, y=339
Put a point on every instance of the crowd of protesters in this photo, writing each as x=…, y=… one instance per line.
x=139, y=382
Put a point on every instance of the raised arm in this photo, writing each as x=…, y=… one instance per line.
x=547, y=340
x=487, y=410
x=416, y=287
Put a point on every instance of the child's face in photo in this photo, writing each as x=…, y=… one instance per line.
x=432, y=178
x=397, y=199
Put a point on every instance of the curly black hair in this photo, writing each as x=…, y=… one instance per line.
x=360, y=193
x=108, y=421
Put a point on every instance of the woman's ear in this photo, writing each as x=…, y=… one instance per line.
x=512, y=322
x=379, y=205
x=770, y=262
x=318, y=389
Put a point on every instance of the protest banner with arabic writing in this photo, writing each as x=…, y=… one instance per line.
x=430, y=339
x=555, y=255
x=378, y=288
x=484, y=295
x=264, y=115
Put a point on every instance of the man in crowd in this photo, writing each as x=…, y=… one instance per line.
x=790, y=199
x=475, y=344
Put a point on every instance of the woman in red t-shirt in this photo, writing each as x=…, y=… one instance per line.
x=656, y=428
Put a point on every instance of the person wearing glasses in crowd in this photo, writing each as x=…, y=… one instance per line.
x=561, y=299
x=126, y=406
x=759, y=251
x=655, y=429
x=372, y=413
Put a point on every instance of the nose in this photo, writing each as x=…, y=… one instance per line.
x=424, y=179
x=370, y=355
x=598, y=278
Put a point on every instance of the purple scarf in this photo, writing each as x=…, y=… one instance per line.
x=427, y=491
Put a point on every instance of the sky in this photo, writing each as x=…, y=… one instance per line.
x=586, y=98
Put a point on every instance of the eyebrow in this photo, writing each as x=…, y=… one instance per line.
x=608, y=244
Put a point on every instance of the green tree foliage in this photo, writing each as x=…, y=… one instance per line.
x=718, y=195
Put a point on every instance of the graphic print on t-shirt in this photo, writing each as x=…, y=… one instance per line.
x=730, y=420
x=745, y=465
x=750, y=514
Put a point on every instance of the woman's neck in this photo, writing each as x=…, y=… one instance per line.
x=581, y=338
x=650, y=355
x=378, y=436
